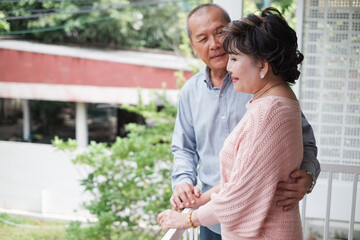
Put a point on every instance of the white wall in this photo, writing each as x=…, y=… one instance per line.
x=27, y=171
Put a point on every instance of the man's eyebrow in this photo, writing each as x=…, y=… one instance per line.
x=204, y=35
x=200, y=35
x=220, y=28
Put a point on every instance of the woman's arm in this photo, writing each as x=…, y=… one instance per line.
x=205, y=197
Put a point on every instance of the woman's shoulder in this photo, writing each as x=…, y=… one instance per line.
x=273, y=102
x=273, y=107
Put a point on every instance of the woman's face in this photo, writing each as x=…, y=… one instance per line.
x=245, y=73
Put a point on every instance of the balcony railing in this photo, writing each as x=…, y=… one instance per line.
x=330, y=169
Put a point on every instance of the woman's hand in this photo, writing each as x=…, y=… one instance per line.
x=172, y=219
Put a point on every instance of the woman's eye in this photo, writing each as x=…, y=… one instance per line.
x=219, y=32
x=233, y=59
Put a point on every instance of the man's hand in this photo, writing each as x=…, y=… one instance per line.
x=294, y=192
x=184, y=196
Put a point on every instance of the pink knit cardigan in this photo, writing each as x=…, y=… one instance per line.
x=263, y=149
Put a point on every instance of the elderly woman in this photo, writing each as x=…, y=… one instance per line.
x=265, y=146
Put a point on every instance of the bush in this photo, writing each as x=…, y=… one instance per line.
x=130, y=180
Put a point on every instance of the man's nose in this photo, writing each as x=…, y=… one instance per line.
x=215, y=43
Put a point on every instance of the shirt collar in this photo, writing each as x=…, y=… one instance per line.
x=207, y=77
x=208, y=81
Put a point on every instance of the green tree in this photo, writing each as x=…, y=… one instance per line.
x=113, y=23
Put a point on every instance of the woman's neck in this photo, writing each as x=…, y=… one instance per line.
x=268, y=88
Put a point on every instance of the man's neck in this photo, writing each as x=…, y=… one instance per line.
x=217, y=77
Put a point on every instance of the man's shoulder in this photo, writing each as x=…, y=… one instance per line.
x=193, y=83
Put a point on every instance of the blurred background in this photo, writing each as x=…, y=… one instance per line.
x=88, y=92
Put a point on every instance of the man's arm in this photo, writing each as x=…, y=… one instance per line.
x=310, y=162
x=186, y=159
x=310, y=167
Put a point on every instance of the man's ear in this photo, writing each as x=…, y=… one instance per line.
x=193, y=48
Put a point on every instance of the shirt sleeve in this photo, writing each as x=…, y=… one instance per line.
x=184, y=144
x=310, y=161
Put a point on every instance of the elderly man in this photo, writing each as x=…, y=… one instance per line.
x=208, y=110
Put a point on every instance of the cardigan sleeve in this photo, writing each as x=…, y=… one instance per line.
x=263, y=154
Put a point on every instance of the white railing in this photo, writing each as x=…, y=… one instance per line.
x=192, y=234
x=331, y=169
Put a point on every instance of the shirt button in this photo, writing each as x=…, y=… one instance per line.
x=223, y=117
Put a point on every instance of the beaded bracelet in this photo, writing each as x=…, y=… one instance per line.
x=189, y=219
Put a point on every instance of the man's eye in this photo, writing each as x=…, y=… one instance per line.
x=203, y=39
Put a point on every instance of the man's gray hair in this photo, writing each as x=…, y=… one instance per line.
x=204, y=7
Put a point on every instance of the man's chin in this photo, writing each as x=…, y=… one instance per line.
x=218, y=65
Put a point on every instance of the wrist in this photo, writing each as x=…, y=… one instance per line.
x=190, y=219
x=313, y=182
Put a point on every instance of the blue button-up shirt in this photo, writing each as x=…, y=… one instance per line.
x=206, y=116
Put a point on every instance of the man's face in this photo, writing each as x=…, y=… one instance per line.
x=206, y=28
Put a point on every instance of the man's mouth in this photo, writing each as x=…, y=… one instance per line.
x=218, y=56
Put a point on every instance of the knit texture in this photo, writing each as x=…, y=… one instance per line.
x=263, y=149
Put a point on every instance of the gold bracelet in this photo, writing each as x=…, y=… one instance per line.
x=189, y=219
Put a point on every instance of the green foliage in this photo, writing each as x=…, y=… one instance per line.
x=113, y=23
x=286, y=7
x=4, y=25
x=130, y=180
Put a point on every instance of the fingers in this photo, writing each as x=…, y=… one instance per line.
x=173, y=204
x=197, y=192
x=291, y=194
x=287, y=204
x=287, y=186
x=298, y=173
x=290, y=202
x=183, y=196
x=172, y=219
x=162, y=221
x=187, y=195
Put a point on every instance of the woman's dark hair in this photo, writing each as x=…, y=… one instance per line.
x=266, y=37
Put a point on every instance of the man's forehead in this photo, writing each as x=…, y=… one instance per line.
x=204, y=13
x=204, y=20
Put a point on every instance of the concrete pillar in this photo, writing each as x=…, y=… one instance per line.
x=233, y=7
x=81, y=125
x=26, y=120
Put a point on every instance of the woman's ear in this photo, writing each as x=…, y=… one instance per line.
x=264, y=68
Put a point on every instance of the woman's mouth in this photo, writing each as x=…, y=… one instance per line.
x=234, y=79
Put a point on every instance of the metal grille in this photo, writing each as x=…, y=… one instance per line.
x=330, y=82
